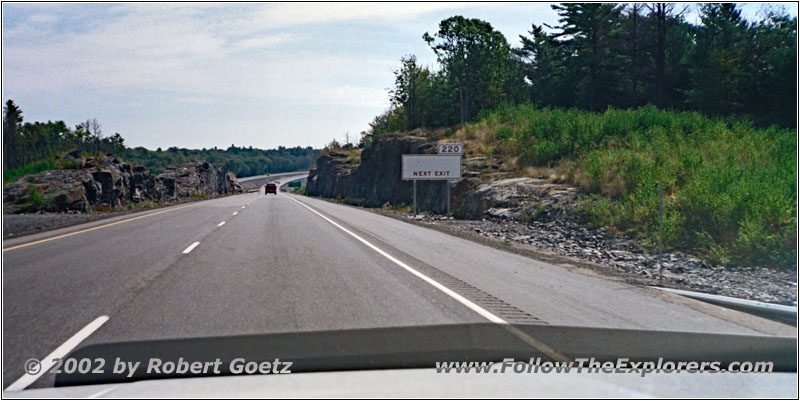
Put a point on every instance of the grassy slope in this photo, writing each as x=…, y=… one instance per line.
x=729, y=189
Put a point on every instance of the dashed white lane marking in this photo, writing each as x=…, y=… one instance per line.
x=47, y=363
x=221, y=224
x=544, y=348
x=235, y=213
x=191, y=247
x=244, y=207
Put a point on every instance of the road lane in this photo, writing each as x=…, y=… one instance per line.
x=279, y=268
x=255, y=182
x=52, y=289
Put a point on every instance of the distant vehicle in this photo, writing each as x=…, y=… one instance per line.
x=271, y=188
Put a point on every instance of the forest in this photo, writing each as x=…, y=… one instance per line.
x=605, y=55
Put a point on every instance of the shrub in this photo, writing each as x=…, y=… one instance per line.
x=729, y=189
x=36, y=200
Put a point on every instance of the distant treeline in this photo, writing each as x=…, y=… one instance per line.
x=34, y=147
x=605, y=55
x=243, y=162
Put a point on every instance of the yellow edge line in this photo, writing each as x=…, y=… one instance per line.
x=93, y=228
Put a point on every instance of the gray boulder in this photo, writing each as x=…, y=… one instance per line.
x=520, y=198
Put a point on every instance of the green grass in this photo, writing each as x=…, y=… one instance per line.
x=32, y=168
x=352, y=155
x=38, y=167
x=729, y=188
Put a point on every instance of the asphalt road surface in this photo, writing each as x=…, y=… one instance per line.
x=257, y=263
x=256, y=181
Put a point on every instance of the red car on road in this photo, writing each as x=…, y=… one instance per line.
x=271, y=188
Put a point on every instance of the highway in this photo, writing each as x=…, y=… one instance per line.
x=252, y=263
x=256, y=181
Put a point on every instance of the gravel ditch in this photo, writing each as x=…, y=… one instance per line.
x=620, y=256
x=16, y=225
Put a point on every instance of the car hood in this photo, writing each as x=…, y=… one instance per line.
x=422, y=347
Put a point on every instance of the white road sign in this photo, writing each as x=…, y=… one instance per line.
x=431, y=167
x=451, y=148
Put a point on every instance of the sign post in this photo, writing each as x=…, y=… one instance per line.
x=415, y=198
x=449, y=149
x=447, y=188
x=441, y=167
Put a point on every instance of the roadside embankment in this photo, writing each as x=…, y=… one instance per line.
x=108, y=183
x=89, y=188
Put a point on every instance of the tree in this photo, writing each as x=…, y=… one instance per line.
x=476, y=57
x=392, y=120
x=411, y=90
x=333, y=144
x=443, y=108
x=718, y=60
x=634, y=43
x=546, y=69
x=12, y=122
x=769, y=84
x=94, y=128
x=662, y=16
x=592, y=31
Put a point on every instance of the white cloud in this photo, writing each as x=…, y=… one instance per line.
x=284, y=15
x=196, y=100
x=266, y=41
x=42, y=18
x=123, y=58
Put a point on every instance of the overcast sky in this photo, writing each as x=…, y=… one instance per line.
x=204, y=75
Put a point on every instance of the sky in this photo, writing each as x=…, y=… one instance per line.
x=214, y=74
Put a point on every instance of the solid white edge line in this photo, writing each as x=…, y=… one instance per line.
x=60, y=352
x=466, y=302
x=221, y=224
x=191, y=247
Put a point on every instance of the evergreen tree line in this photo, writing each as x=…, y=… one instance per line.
x=25, y=143
x=605, y=55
